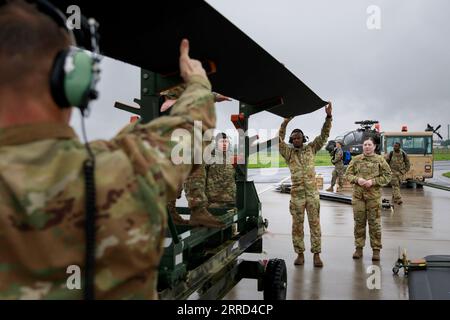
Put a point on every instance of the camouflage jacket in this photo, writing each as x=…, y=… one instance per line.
x=42, y=198
x=220, y=181
x=399, y=162
x=301, y=160
x=368, y=167
x=338, y=158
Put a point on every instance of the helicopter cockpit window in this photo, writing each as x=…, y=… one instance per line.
x=358, y=136
x=349, y=139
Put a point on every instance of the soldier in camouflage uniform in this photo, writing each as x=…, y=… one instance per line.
x=42, y=192
x=210, y=185
x=220, y=176
x=399, y=162
x=368, y=172
x=195, y=185
x=338, y=171
x=304, y=193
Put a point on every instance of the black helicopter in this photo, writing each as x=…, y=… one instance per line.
x=352, y=141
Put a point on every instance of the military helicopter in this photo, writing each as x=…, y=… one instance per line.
x=352, y=141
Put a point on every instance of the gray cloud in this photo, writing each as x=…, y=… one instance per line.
x=398, y=75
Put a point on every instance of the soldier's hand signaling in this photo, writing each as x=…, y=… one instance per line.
x=189, y=67
x=329, y=109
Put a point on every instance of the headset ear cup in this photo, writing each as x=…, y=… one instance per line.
x=78, y=78
x=57, y=75
x=71, y=78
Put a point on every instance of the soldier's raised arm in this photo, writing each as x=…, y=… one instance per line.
x=284, y=149
x=320, y=141
x=196, y=103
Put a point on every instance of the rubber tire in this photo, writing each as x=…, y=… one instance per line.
x=275, y=280
x=410, y=185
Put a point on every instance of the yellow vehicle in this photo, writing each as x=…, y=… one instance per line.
x=419, y=148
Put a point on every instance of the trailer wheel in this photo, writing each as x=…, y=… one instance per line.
x=275, y=280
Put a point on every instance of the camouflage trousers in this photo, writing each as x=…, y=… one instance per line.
x=338, y=174
x=297, y=207
x=397, y=178
x=221, y=204
x=195, y=186
x=367, y=212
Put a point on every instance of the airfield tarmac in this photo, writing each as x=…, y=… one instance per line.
x=421, y=225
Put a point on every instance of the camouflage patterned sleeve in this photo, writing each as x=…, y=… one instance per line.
x=320, y=141
x=350, y=173
x=338, y=156
x=150, y=146
x=283, y=148
x=385, y=173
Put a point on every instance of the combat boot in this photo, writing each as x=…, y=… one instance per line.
x=317, y=261
x=176, y=218
x=376, y=255
x=399, y=201
x=300, y=260
x=358, y=253
x=339, y=189
x=200, y=217
x=330, y=189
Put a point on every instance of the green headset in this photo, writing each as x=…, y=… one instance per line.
x=75, y=73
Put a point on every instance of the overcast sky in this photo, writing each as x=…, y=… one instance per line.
x=399, y=74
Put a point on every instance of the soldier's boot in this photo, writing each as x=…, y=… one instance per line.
x=330, y=189
x=358, y=253
x=317, y=261
x=176, y=218
x=339, y=189
x=399, y=201
x=376, y=255
x=300, y=260
x=200, y=217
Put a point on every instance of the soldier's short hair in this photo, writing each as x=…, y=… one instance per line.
x=29, y=42
x=221, y=135
x=305, y=138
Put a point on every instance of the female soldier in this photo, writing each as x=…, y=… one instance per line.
x=368, y=172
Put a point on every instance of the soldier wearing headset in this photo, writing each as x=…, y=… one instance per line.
x=56, y=212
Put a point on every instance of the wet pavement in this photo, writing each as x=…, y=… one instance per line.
x=421, y=225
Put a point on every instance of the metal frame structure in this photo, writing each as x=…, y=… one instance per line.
x=203, y=263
